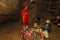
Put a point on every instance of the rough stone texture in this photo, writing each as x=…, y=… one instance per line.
x=10, y=31
x=7, y=6
x=4, y=36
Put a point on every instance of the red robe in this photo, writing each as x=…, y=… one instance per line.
x=25, y=16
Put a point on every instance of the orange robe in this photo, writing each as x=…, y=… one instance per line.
x=25, y=16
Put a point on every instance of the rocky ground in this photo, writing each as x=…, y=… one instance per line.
x=12, y=30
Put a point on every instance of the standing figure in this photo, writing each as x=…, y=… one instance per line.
x=26, y=33
x=35, y=32
x=48, y=25
x=25, y=16
x=56, y=21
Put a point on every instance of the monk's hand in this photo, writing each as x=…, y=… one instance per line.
x=25, y=14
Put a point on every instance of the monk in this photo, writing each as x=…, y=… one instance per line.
x=25, y=16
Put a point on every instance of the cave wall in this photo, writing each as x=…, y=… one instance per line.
x=8, y=6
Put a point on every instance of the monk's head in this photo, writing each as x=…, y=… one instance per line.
x=35, y=24
x=58, y=17
x=26, y=7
